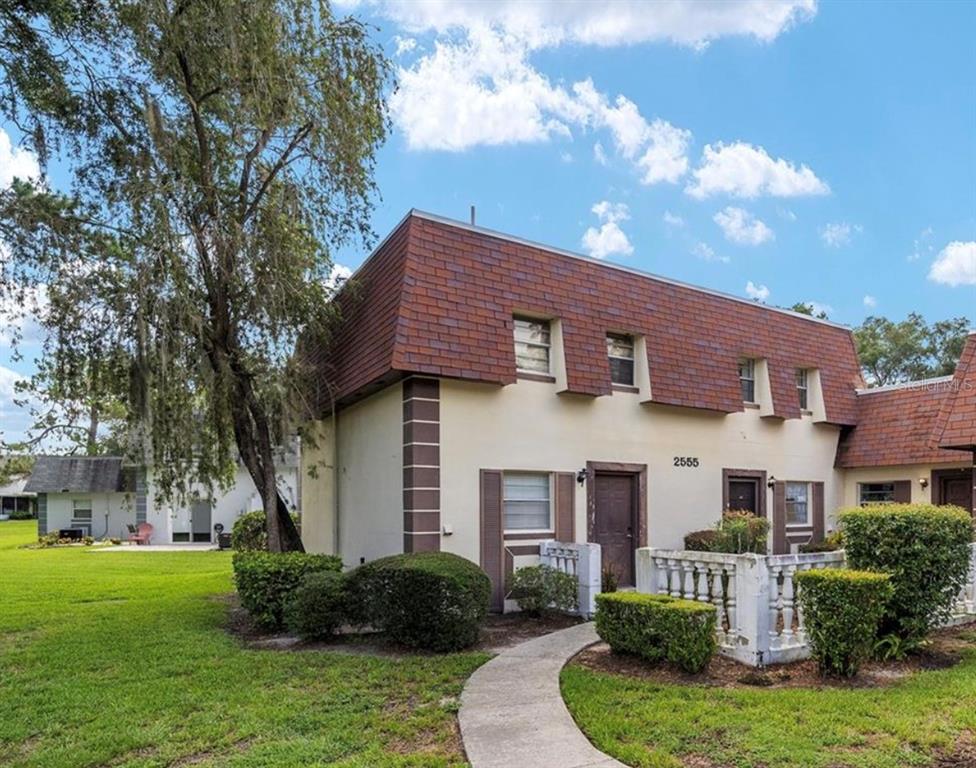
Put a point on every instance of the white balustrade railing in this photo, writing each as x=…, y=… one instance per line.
x=965, y=607
x=579, y=560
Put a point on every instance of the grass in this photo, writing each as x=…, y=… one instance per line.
x=121, y=659
x=657, y=725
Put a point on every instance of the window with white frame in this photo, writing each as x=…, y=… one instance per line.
x=801, y=388
x=527, y=501
x=747, y=379
x=798, y=504
x=620, y=351
x=532, y=345
x=81, y=509
x=876, y=493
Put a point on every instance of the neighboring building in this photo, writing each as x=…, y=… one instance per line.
x=15, y=501
x=491, y=393
x=103, y=496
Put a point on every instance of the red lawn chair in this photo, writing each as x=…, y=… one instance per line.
x=143, y=534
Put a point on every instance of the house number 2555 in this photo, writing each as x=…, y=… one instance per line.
x=686, y=461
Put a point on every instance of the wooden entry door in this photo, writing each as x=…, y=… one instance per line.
x=744, y=494
x=958, y=491
x=615, y=525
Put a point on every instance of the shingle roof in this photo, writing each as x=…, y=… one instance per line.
x=895, y=426
x=437, y=297
x=956, y=425
x=78, y=474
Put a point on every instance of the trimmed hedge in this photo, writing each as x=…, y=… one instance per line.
x=841, y=611
x=431, y=600
x=658, y=627
x=266, y=580
x=736, y=533
x=701, y=541
x=317, y=607
x=250, y=532
x=924, y=548
x=539, y=588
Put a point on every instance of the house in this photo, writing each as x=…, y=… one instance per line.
x=103, y=495
x=491, y=392
x=15, y=501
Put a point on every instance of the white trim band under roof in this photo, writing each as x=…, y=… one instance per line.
x=598, y=262
x=917, y=384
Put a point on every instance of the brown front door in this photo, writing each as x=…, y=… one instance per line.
x=958, y=491
x=744, y=494
x=615, y=523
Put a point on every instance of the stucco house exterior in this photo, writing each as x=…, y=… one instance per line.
x=102, y=495
x=491, y=393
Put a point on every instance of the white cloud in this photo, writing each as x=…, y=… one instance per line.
x=757, y=292
x=955, y=264
x=869, y=301
x=922, y=244
x=340, y=273
x=673, y=220
x=705, y=252
x=566, y=157
x=16, y=162
x=609, y=239
x=742, y=227
x=839, y=234
x=742, y=170
x=599, y=154
x=11, y=415
x=546, y=23
x=404, y=44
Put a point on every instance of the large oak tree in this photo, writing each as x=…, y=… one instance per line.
x=218, y=152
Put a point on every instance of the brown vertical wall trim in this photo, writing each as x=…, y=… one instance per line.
x=780, y=545
x=421, y=465
x=492, y=556
x=903, y=491
x=565, y=507
x=818, y=512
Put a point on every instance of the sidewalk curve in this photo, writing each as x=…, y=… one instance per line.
x=512, y=714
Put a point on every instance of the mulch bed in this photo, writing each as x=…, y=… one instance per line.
x=945, y=650
x=500, y=631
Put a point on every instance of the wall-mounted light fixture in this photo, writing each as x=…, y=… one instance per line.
x=771, y=483
x=924, y=482
x=581, y=476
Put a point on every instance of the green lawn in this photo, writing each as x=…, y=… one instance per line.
x=121, y=659
x=644, y=723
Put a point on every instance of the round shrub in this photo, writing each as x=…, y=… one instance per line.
x=658, y=627
x=316, y=609
x=701, y=541
x=841, y=611
x=431, y=600
x=925, y=550
x=250, y=532
x=539, y=588
x=266, y=581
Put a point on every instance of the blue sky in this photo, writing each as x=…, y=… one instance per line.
x=786, y=151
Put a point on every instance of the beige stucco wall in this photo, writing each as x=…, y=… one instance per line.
x=370, y=481
x=528, y=426
x=911, y=472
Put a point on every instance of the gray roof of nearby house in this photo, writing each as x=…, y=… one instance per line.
x=80, y=474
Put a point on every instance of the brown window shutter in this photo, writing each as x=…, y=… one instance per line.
x=903, y=491
x=565, y=496
x=818, y=512
x=492, y=525
x=780, y=547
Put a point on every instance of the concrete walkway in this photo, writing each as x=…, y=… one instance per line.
x=512, y=714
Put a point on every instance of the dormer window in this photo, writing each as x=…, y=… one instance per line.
x=801, y=388
x=620, y=351
x=747, y=379
x=532, y=346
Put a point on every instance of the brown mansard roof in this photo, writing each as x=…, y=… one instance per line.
x=896, y=426
x=437, y=297
x=956, y=425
